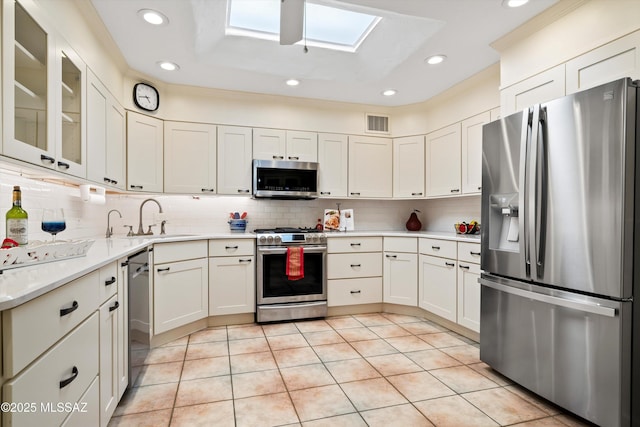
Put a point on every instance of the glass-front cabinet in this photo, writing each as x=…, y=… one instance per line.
x=44, y=91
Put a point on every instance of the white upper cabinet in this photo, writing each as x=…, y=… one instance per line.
x=472, y=152
x=269, y=144
x=44, y=90
x=542, y=87
x=408, y=167
x=302, y=146
x=189, y=158
x=234, y=160
x=615, y=60
x=144, y=153
x=106, y=121
x=333, y=155
x=443, y=162
x=278, y=144
x=370, y=166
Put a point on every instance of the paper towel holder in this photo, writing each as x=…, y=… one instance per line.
x=92, y=193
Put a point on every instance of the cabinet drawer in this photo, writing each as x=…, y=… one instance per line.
x=441, y=248
x=354, y=244
x=347, y=266
x=469, y=252
x=108, y=281
x=231, y=247
x=366, y=290
x=88, y=415
x=401, y=244
x=31, y=328
x=43, y=381
x=178, y=251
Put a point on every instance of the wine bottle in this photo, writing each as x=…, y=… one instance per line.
x=17, y=219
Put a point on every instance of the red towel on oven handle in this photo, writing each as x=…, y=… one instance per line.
x=295, y=263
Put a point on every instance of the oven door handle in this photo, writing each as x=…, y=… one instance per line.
x=283, y=250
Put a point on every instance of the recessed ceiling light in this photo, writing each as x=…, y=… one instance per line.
x=153, y=17
x=514, y=3
x=293, y=82
x=169, y=66
x=389, y=92
x=435, y=59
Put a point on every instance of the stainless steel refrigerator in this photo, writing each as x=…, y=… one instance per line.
x=561, y=251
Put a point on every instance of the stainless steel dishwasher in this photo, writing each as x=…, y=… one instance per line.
x=139, y=313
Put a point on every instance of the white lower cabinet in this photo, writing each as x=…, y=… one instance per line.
x=400, y=271
x=108, y=359
x=437, y=290
x=232, y=274
x=60, y=375
x=354, y=271
x=468, y=286
x=82, y=418
x=180, y=284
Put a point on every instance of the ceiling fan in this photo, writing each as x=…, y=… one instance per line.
x=291, y=21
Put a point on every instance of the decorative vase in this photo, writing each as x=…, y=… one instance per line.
x=414, y=224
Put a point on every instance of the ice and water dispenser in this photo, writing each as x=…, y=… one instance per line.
x=504, y=222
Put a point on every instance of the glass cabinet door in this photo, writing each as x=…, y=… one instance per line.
x=44, y=85
x=30, y=81
x=70, y=155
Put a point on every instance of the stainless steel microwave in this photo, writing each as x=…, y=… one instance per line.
x=278, y=179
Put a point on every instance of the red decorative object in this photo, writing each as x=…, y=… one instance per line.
x=414, y=224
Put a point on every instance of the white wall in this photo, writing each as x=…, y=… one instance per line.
x=595, y=23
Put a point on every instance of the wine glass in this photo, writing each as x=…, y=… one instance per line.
x=53, y=221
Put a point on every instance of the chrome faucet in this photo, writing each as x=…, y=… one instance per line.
x=140, y=228
x=109, y=228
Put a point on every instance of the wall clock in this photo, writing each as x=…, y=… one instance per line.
x=146, y=97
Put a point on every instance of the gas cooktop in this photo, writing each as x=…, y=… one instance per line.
x=286, y=236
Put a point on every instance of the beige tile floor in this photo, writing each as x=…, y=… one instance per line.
x=362, y=370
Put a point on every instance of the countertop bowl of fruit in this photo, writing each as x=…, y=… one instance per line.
x=472, y=227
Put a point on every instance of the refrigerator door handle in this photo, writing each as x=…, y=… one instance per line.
x=562, y=302
x=525, y=146
x=541, y=191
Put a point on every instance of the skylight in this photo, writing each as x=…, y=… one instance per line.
x=327, y=27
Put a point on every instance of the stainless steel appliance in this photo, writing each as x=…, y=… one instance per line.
x=283, y=179
x=279, y=298
x=139, y=314
x=560, y=240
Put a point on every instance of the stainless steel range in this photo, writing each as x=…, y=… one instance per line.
x=279, y=297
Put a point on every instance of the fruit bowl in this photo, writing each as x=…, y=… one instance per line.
x=472, y=227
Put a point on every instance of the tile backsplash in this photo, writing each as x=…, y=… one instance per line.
x=209, y=214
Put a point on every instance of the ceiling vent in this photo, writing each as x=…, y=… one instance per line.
x=377, y=124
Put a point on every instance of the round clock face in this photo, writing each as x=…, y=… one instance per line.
x=146, y=97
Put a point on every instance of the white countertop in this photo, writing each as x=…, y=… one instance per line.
x=19, y=285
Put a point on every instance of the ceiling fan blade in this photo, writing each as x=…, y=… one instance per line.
x=291, y=21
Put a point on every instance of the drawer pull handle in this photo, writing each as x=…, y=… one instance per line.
x=231, y=247
x=474, y=253
x=110, y=281
x=356, y=265
x=356, y=244
x=355, y=193
x=244, y=260
x=207, y=190
x=114, y=307
x=455, y=190
x=65, y=311
x=416, y=194
x=160, y=270
x=63, y=165
x=449, y=264
x=47, y=159
x=278, y=157
x=325, y=193
x=435, y=248
x=466, y=267
x=294, y=158
x=241, y=190
x=136, y=187
x=392, y=256
x=74, y=375
x=356, y=292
